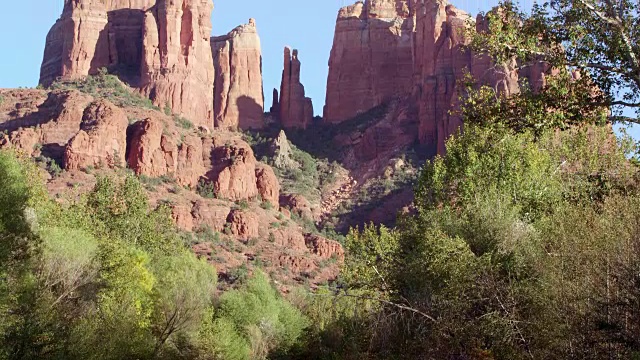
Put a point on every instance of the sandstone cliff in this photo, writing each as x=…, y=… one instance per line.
x=160, y=47
x=238, y=98
x=177, y=68
x=295, y=110
x=414, y=52
x=371, y=60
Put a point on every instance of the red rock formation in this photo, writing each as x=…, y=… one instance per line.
x=267, y=184
x=151, y=153
x=232, y=165
x=388, y=49
x=324, y=248
x=102, y=140
x=297, y=204
x=296, y=110
x=213, y=216
x=177, y=67
x=441, y=61
x=275, y=105
x=75, y=45
x=155, y=153
x=162, y=49
x=91, y=34
x=371, y=60
x=238, y=99
x=243, y=224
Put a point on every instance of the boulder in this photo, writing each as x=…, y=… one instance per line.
x=267, y=183
x=231, y=168
x=102, y=140
x=243, y=224
x=154, y=152
x=324, y=248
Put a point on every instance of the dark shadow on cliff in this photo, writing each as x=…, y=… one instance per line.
x=125, y=44
x=251, y=114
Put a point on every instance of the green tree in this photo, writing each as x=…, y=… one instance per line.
x=598, y=38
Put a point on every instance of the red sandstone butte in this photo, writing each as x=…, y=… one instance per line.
x=371, y=60
x=159, y=47
x=238, y=95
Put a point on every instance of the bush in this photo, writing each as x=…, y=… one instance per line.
x=267, y=205
x=257, y=314
x=183, y=123
x=206, y=189
x=108, y=87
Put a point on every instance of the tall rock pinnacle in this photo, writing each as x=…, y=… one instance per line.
x=296, y=110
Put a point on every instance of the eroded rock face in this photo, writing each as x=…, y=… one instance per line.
x=268, y=185
x=76, y=44
x=440, y=61
x=243, y=224
x=295, y=110
x=324, y=248
x=91, y=34
x=371, y=60
x=151, y=153
x=160, y=47
x=390, y=50
x=102, y=140
x=177, y=67
x=155, y=153
x=238, y=98
x=232, y=165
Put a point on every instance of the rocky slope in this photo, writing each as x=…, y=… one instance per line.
x=216, y=189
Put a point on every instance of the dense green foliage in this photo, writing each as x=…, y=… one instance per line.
x=519, y=249
x=109, y=278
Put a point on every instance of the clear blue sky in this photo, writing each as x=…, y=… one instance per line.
x=305, y=25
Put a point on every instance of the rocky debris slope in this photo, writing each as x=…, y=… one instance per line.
x=295, y=110
x=239, y=99
x=214, y=186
